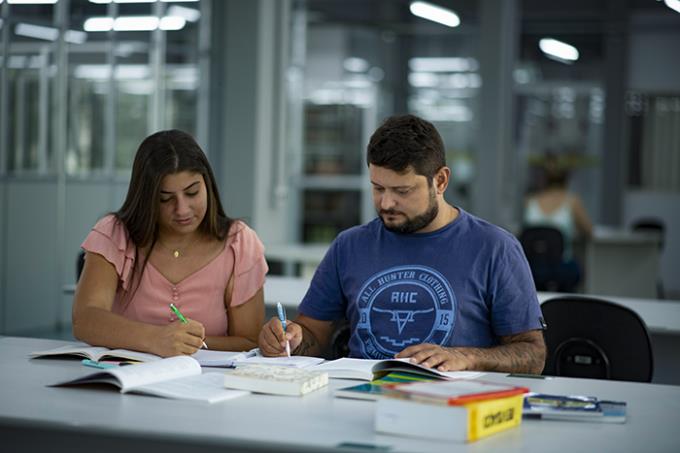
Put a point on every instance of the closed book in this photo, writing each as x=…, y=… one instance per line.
x=275, y=380
x=455, y=392
x=459, y=423
x=573, y=408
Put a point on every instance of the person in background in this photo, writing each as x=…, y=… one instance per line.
x=555, y=206
x=425, y=280
x=171, y=242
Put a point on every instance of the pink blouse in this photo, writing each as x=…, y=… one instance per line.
x=199, y=296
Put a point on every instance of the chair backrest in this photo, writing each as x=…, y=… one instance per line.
x=594, y=338
x=651, y=224
x=542, y=243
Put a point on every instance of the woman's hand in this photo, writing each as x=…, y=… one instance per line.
x=178, y=338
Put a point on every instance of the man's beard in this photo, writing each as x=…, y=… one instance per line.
x=416, y=223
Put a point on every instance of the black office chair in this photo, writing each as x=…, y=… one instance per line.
x=657, y=226
x=595, y=338
x=544, y=247
x=80, y=263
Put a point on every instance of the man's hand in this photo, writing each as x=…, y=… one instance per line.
x=272, y=338
x=519, y=353
x=435, y=356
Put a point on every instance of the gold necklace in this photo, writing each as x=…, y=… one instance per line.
x=176, y=252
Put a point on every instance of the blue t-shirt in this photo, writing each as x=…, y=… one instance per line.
x=465, y=284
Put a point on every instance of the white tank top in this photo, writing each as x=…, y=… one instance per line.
x=561, y=218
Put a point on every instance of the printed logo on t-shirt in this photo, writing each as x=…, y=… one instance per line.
x=403, y=306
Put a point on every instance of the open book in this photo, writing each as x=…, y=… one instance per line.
x=367, y=370
x=276, y=380
x=96, y=353
x=175, y=377
x=205, y=357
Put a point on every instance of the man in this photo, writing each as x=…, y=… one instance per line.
x=425, y=280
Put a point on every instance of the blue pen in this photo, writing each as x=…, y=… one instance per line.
x=282, y=318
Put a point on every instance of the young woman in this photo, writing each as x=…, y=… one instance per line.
x=171, y=243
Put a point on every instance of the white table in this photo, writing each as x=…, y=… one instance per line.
x=34, y=417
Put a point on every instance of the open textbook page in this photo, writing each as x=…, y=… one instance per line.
x=367, y=370
x=175, y=377
x=96, y=353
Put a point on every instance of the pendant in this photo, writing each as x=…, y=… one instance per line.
x=175, y=253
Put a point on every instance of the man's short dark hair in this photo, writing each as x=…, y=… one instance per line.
x=407, y=141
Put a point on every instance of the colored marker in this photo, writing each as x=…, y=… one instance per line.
x=182, y=319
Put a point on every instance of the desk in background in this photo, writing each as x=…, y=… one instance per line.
x=34, y=417
x=307, y=256
x=620, y=262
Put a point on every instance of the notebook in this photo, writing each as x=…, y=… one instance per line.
x=175, y=377
x=275, y=380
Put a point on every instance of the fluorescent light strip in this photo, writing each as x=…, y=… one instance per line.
x=558, y=49
x=134, y=23
x=49, y=33
x=190, y=14
x=673, y=4
x=435, y=13
x=36, y=31
x=135, y=1
x=442, y=64
x=32, y=2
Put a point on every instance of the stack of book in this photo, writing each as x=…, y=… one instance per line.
x=456, y=410
x=574, y=408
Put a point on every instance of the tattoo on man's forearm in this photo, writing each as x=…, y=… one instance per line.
x=522, y=353
x=308, y=342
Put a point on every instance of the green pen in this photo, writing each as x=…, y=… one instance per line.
x=178, y=313
x=182, y=319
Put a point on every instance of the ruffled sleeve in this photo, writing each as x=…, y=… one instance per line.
x=109, y=238
x=250, y=266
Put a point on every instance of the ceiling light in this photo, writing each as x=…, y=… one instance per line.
x=442, y=64
x=98, y=24
x=36, y=31
x=172, y=23
x=559, y=50
x=673, y=4
x=32, y=2
x=354, y=64
x=190, y=14
x=135, y=23
x=435, y=13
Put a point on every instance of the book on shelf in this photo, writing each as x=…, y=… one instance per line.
x=458, y=423
x=575, y=408
x=175, y=377
x=368, y=370
x=378, y=388
x=275, y=380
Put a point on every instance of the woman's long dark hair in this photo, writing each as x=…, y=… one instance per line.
x=159, y=155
